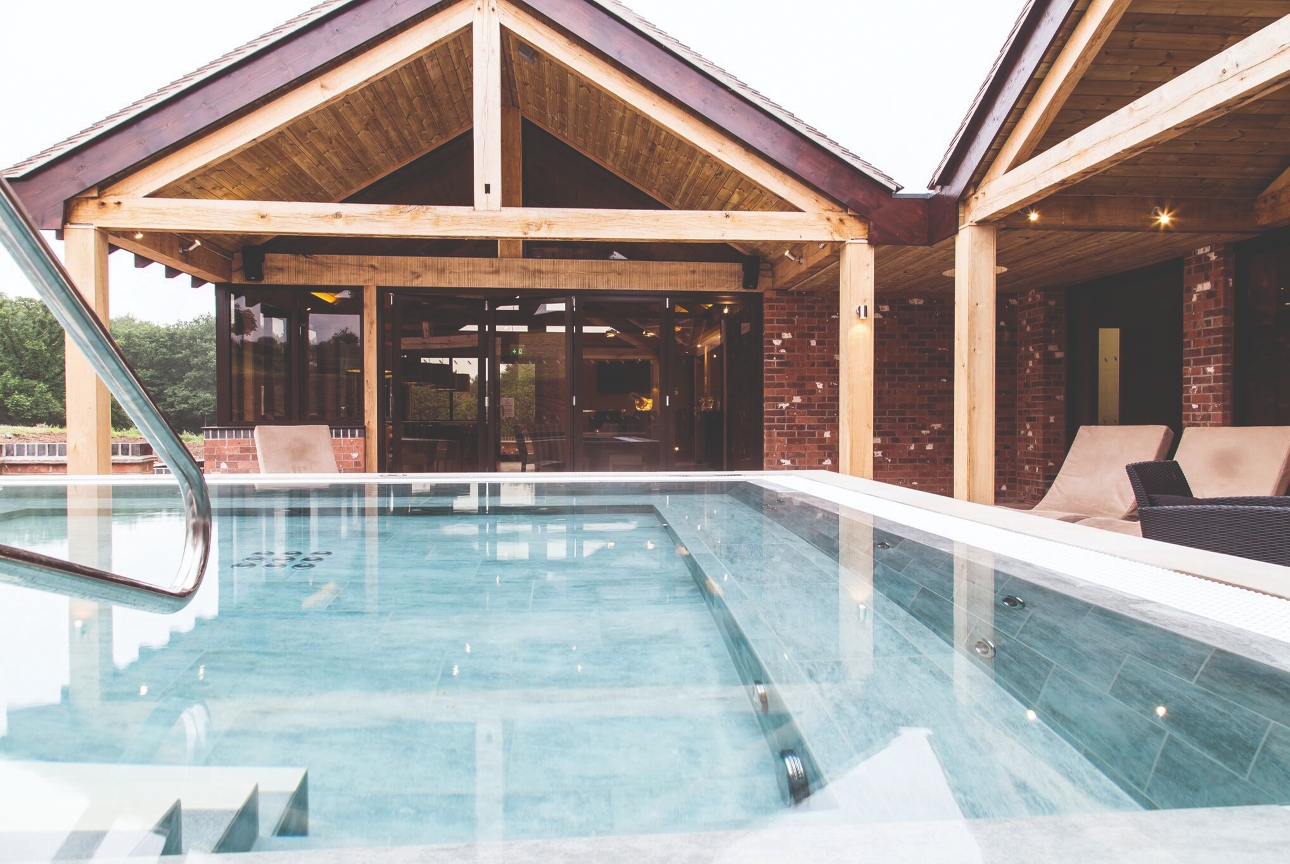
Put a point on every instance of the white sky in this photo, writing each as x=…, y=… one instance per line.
x=889, y=80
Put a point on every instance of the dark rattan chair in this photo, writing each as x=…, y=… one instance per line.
x=1257, y=528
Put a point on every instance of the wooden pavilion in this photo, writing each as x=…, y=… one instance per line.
x=495, y=147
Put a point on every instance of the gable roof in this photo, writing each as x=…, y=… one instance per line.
x=337, y=29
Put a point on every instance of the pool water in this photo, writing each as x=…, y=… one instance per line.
x=460, y=663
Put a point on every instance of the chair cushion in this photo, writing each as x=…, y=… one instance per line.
x=295, y=450
x=1229, y=461
x=1093, y=481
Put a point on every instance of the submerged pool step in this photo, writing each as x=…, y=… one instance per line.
x=61, y=811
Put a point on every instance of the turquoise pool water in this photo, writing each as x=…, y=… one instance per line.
x=463, y=663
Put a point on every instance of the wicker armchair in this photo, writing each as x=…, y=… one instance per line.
x=1257, y=527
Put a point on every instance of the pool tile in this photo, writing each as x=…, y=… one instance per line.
x=1221, y=729
x=1186, y=777
x=1259, y=688
x=1272, y=767
x=1096, y=721
x=1024, y=670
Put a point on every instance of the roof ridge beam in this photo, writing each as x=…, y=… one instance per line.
x=309, y=97
x=585, y=63
x=1248, y=70
x=204, y=216
x=1077, y=55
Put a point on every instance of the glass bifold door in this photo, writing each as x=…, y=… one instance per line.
x=561, y=383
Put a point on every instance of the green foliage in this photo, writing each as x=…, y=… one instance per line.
x=31, y=363
x=176, y=363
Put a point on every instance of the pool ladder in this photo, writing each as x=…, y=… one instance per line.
x=36, y=260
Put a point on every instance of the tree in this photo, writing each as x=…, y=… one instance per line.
x=176, y=363
x=31, y=363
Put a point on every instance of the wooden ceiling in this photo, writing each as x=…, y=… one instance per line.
x=368, y=138
x=1234, y=158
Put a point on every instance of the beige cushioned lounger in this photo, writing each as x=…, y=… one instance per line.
x=1093, y=482
x=1226, y=461
x=295, y=450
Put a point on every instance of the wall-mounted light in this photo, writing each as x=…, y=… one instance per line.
x=862, y=311
x=138, y=235
x=183, y=251
x=1162, y=216
x=1033, y=216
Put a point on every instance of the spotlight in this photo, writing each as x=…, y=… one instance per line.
x=1034, y=216
x=1162, y=216
x=138, y=235
x=862, y=311
x=185, y=251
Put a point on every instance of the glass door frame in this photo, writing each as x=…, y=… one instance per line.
x=490, y=419
x=389, y=303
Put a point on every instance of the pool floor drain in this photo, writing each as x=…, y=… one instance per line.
x=799, y=787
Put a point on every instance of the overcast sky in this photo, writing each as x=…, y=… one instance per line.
x=889, y=80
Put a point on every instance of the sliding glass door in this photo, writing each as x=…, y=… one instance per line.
x=619, y=408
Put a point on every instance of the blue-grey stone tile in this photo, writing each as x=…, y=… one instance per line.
x=1271, y=770
x=893, y=585
x=1255, y=686
x=1221, y=729
x=1096, y=721
x=563, y=813
x=1186, y=777
x=1074, y=650
x=935, y=612
x=1014, y=664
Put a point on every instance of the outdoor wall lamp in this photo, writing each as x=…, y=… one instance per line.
x=185, y=251
x=1162, y=216
x=862, y=311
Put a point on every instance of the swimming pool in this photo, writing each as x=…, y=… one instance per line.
x=407, y=663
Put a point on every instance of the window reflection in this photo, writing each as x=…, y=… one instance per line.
x=260, y=357
x=334, y=373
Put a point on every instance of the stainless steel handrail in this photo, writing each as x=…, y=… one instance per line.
x=33, y=256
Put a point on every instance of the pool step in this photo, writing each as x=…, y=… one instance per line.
x=60, y=811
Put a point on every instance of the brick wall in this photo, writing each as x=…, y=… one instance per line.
x=801, y=381
x=914, y=398
x=1041, y=392
x=232, y=451
x=1005, y=421
x=1209, y=336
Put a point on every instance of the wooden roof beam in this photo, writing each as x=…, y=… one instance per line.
x=517, y=273
x=318, y=93
x=1242, y=74
x=807, y=262
x=1134, y=213
x=201, y=262
x=1273, y=205
x=589, y=66
x=512, y=223
x=1078, y=54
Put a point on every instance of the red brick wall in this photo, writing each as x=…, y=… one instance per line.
x=914, y=399
x=232, y=451
x=801, y=381
x=1005, y=420
x=1041, y=392
x=1209, y=337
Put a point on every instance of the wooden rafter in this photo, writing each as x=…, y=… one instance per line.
x=1134, y=213
x=487, y=60
x=1273, y=205
x=177, y=253
x=579, y=60
x=808, y=261
x=405, y=221
x=1242, y=74
x=517, y=273
x=319, y=92
x=1077, y=55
